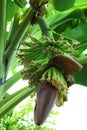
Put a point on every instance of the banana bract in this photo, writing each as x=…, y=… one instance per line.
x=46, y=97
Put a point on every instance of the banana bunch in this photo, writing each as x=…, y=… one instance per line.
x=65, y=46
x=55, y=77
x=35, y=56
x=48, y=67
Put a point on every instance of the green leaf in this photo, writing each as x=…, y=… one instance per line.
x=80, y=2
x=12, y=9
x=9, y=83
x=81, y=77
x=79, y=33
x=17, y=37
x=20, y=3
x=62, y=5
x=12, y=100
x=13, y=27
x=62, y=18
x=81, y=47
x=82, y=59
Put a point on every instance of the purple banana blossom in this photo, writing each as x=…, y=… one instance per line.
x=46, y=97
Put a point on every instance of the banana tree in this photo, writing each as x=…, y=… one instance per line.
x=48, y=38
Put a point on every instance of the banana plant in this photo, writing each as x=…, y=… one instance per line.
x=48, y=38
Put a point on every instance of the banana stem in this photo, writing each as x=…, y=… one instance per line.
x=3, y=8
x=44, y=27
